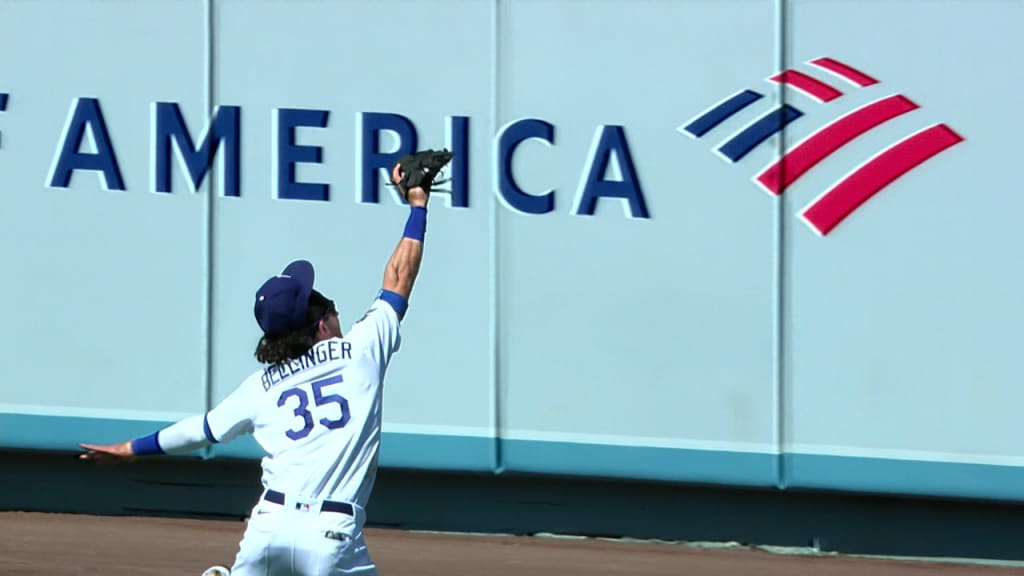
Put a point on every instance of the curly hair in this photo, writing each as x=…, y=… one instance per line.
x=291, y=345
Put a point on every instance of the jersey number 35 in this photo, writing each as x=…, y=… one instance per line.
x=320, y=398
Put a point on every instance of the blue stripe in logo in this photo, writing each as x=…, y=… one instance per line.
x=707, y=121
x=765, y=127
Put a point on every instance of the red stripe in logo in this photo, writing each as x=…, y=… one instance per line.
x=806, y=84
x=832, y=137
x=845, y=72
x=831, y=208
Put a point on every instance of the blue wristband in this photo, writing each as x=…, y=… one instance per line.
x=396, y=301
x=416, y=225
x=146, y=446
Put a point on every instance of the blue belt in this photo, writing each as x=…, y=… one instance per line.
x=327, y=506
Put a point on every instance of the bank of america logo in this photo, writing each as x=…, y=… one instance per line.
x=849, y=192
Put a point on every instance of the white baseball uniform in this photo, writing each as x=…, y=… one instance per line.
x=319, y=420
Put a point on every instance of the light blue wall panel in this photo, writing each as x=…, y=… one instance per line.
x=902, y=323
x=650, y=332
x=103, y=290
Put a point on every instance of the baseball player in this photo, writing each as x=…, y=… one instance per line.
x=315, y=408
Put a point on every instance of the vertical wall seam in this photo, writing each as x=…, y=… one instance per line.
x=208, y=105
x=499, y=464
x=779, y=351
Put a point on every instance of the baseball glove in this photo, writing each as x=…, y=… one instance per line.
x=421, y=169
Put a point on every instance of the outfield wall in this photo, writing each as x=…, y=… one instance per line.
x=655, y=262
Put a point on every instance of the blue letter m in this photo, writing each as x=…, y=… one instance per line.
x=225, y=127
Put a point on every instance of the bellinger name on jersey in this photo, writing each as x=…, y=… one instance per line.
x=328, y=351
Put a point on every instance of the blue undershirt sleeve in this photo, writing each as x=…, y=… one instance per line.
x=397, y=302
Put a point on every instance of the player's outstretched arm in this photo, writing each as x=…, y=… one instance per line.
x=108, y=452
x=227, y=420
x=143, y=446
x=404, y=264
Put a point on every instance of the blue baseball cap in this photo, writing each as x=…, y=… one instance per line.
x=282, y=301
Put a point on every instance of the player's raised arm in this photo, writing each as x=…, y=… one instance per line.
x=413, y=175
x=404, y=265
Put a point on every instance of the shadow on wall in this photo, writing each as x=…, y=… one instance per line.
x=423, y=500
